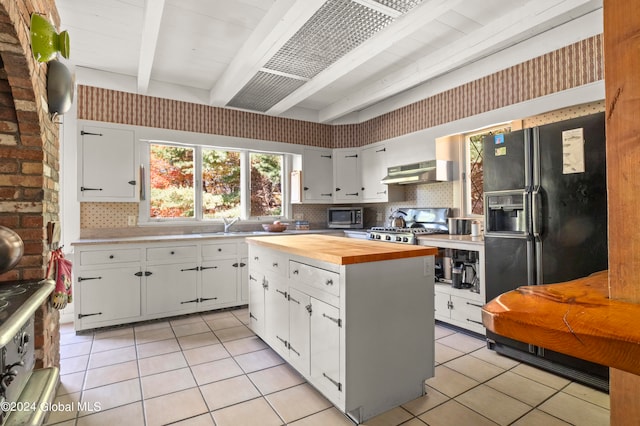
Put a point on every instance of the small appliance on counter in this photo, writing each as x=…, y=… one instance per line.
x=345, y=217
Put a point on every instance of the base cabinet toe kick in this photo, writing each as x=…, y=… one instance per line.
x=362, y=334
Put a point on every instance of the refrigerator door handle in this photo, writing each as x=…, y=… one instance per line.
x=536, y=213
x=532, y=267
x=539, y=271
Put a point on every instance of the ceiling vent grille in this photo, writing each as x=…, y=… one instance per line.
x=338, y=27
x=263, y=91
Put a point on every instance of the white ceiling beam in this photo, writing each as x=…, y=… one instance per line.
x=149, y=39
x=505, y=31
x=282, y=21
x=403, y=27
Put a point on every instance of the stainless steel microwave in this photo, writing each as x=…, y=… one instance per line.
x=344, y=217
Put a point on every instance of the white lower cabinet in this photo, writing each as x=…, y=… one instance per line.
x=325, y=348
x=219, y=283
x=122, y=283
x=452, y=308
x=299, y=329
x=171, y=289
x=366, y=363
x=109, y=294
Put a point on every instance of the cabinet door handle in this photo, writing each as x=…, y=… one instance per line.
x=147, y=273
x=337, y=189
x=474, y=304
x=292, y=349
x=242, y=264
x=326, y=195
x=284, y=342
x=80, y=316
x=381, y=150
x=253, y=316
x=477, y=322
x=84, y=188
x=351, y=156
x=256, y=258
x=202, y=268
x=293, y=300
x=83, y=133
x=336, y=320
x=329, y=282
x=309, y=308
x=204, y=299
x=337, y=384
x=251, y=278
x=80, y=279
x=381, y=192
x=353, y=194
x=275, y=264
x=197, y=268
x=325, y=156
x=296, y=272
x=235, y=265
x=189, y=301
x=132, y=182
x=306, y=188
x=284, y=293
x=111, y=256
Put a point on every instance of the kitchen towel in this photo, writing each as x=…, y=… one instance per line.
x=60, y=270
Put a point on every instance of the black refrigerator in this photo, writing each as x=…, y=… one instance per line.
x=546, y=222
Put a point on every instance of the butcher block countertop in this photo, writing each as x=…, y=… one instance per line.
x=576, y=318
x=340, y=250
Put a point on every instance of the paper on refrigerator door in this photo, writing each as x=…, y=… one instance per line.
x=573, y=151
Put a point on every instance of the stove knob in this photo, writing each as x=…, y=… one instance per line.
x=377, y=237
x=388, y=237
x=405, y=239
x=399, y=239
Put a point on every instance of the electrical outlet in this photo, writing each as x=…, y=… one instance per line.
x=298, y=216
x=132, y=220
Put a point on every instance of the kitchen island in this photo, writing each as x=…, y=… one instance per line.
x=354, y=317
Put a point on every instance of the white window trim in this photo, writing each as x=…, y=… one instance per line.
x=144, y=218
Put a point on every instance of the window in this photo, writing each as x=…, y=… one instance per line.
x=224, y=189
x=474, y=192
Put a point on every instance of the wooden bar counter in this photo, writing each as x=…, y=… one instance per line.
x=576, y=318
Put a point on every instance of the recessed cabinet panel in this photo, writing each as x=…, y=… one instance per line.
x=219, y=283
x=256, y=302
x=316, y=277
x=299, y=327
x=107, y=165
x=276, y=305
x=219, y=250
x=171, y=288
x=107, y=295
x=172, y=253
x=107, y=257
x=325, y=347
x=347, y=182
x=317, y=173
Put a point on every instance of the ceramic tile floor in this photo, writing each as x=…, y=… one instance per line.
x=209, y=369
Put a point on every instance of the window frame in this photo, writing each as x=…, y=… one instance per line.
x=144, y=215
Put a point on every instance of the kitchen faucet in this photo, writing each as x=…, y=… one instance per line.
x=229, y=222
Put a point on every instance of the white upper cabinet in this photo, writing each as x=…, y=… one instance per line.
x=107, y=161
x=317, y=173
x=346, y=169
x=374, y=162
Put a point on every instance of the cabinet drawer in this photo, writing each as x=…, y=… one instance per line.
x=315, y=277
x=219, y=250
x=268, y=260
x=466, y=310
x=103, y=257
x=171, y=253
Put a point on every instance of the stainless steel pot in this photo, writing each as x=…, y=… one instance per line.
x=11, y=249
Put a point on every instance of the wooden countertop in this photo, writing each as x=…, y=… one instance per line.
x=340, y=250
x=576, y=318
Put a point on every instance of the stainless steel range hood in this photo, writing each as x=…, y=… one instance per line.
x=420, y=173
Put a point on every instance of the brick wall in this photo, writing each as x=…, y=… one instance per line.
x=29, y=158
